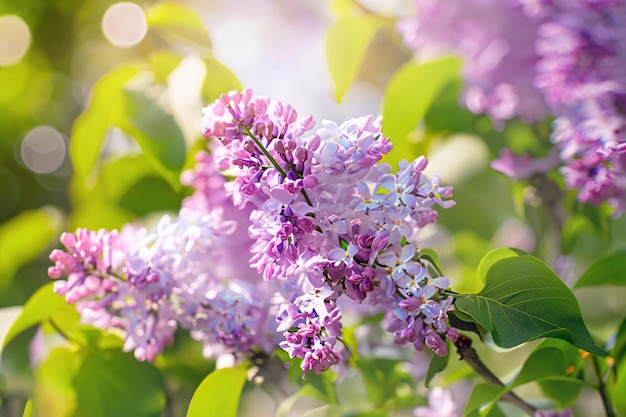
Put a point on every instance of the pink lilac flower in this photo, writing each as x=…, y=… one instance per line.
x=145, y=284
x=440, y=404
x=327, y=217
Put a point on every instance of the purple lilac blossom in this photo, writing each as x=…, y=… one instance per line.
x=144, y=284
x=528, y=58
x=331, y=220
x=495, y=40
x=582, y=74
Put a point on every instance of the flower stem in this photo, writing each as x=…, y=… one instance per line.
x=272, y=160
x=602, y=387
x=468, y=354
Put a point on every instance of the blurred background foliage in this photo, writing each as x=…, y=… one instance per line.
x=98, y=118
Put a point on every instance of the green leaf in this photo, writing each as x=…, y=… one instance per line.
x=44, y=304
x=494, y=256
x=617, y=388
x=22, y=238
x=383, y=380
x=218, y=394
x=619, y=349
x=55, y=395
x=90, y=128
x=482, y=401
x=177, y=23
x=163, y=62
x=28, y=409
x=436, y=365
x=113, y=383
x=524, y=300
x=347, y=41
x=607, y=271
x=158, y=135
x=409, y=94
x=218, y=80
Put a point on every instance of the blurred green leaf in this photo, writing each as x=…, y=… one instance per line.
x=55, y=394
x=409, y=94
x=158, y=135
x=28, y=409
x=619, y=349
x=90, y=128
x=163, y=63
x=44, y=304
x=481, y=402
x=347, y=41
x=616, y=388
x=113, y=383
x=22, y=238
x=95, y=214
x=219, y=393
x=383, y=378
x=178, y=24
x=218, y=80
x=524, y=300
x=607, y=271
x=553, y=367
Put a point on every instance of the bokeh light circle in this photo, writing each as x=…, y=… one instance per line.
x=124, y=24
x=14, y=39
x=43, y=149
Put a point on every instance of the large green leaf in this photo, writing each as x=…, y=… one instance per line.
x=177, y=24
x=436, y=365
x=22, y=238
x=607, y=271
x=91, y=126
x=617, y=388
x=347, y=41
x=218, y=394
x=409, y=94
x=619, y=349
x=524, y=300
x=55, y=395
x=44, y=304
x=494, y=256
x=113, y=383
x=158, y=135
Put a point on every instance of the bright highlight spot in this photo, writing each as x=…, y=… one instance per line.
x=14, y=39
x=43, y=149
x=124, y=24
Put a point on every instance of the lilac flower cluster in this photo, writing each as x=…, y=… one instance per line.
x=531, y=58
x=144, y=284
x=330, y=221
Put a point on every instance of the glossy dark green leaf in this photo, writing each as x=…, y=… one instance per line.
x=218, y=80
x=408, y=96
x=22, y=238
x=178, y=24
x=494, y=256
x=607, y=271
x=524, y=300
x=90, y=128
x=158, y=135
x=347, y=41
x=113, y=383
x=44, y=304
x=219, y=393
